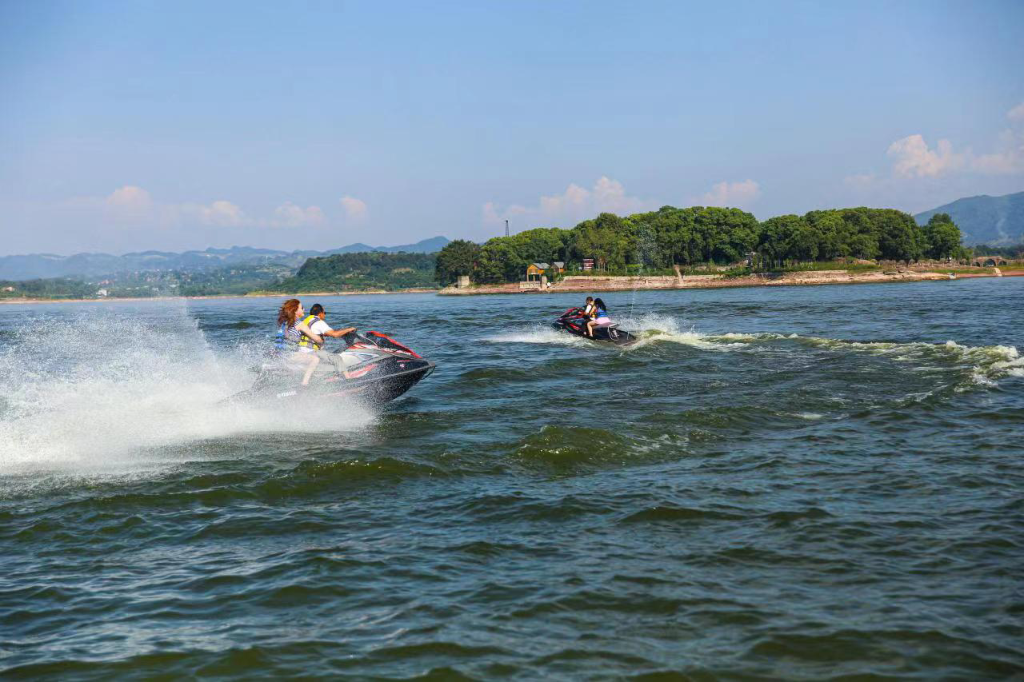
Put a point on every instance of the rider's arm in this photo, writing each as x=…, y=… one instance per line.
x=304, y=328
x=340, y=332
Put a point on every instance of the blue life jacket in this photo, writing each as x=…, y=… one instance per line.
x=288, y=337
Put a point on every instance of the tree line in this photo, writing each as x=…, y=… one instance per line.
x=705, y=235
x=358, y=271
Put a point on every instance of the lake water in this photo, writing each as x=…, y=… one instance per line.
x=777, y=482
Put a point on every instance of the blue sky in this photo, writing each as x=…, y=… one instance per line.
x=138, y=125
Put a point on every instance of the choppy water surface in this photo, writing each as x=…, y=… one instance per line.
x=794, y=483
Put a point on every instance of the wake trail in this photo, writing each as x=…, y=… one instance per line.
x=982, y=365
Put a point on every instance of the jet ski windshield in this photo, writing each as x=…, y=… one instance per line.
x=378, y=340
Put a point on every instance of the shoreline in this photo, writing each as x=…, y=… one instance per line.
x=579, y=283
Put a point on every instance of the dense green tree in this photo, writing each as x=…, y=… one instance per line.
x=861, y=235
x=499, y=261
x=690, y=236
x=899, y=236
x=942, y=237
x=726, y=235
x=665, y=237
x=541, y=245
x=455, y=259
x=604, y=239
x=786, y=237
x=833, y=234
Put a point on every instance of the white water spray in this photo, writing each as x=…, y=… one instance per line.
x=109, y=389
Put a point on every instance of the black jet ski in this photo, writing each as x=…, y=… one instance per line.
x=373, y=366
x=573, y=321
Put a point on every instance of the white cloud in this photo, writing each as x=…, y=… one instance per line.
x=355, y=209
x=129, y=201
x=221, y=214
x=134, y=205
x=1016, y=114
x=573, y=205
x=731, y=194
x=915, y=159
x=292, y=215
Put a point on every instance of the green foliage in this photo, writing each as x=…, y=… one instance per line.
x=458, y=258
x=787, y=237
x=687, y=236
x=605, y=239
x=58, y=287
x=655, y=241
x=505, y=259
x=357, y=271
x=942, y=237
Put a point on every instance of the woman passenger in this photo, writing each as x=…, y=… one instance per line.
x=290, y=331
x=601, y=318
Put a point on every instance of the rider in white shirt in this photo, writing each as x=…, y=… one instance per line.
x=319, y=326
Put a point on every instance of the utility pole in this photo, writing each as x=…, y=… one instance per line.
x=506, y=228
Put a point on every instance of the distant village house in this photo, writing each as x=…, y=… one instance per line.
x=534, y=271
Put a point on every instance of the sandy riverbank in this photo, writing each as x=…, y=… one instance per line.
x=818, y=277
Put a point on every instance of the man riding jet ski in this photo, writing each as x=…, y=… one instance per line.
x=575, y=321
x=372, y=365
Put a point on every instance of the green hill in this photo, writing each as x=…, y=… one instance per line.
x=984, y=219
x=360, y=271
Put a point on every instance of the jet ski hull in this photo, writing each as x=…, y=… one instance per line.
x=572, y=321
x=374, y=368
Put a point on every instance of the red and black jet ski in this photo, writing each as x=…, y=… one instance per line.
x=372, y=366
x=574, y=322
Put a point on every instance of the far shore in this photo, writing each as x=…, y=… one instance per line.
x=576, y=284
x=579, y=283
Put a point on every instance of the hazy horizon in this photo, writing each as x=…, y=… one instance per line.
x=220, y=248
x=135, y=127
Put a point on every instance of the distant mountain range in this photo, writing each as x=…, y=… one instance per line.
x=44, y=265
x=998, y=221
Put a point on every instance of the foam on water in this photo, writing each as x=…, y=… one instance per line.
x=110, y=390
x=653, y=328
x=984, y=364
x=649, y=328
x=544, y=335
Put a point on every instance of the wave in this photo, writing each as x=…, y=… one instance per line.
x=649, y=328
x=540, y=335
x=982, y=365
x=970, y=367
